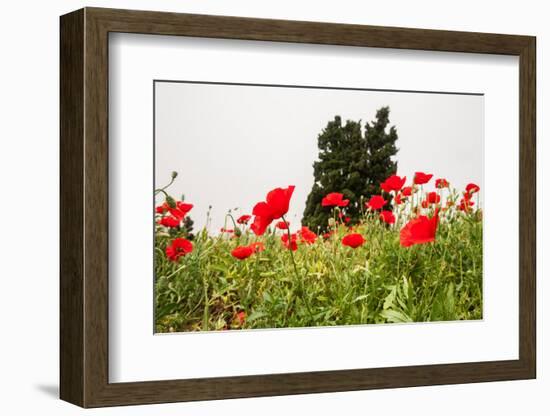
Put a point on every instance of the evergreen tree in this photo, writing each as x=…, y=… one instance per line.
x=350, y=163
x=380, y=148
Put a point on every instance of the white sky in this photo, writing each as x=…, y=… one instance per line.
x=231, y=144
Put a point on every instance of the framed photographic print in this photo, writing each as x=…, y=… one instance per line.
x=255, y=207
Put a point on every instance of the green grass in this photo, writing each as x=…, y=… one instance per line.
x=379, y=282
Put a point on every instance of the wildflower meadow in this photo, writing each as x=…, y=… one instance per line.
x=412, y=254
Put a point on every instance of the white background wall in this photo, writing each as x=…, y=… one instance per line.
x=29, y=213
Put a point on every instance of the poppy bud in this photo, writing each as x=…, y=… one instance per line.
x=237, y=232
x=170, y=201
x=174, y=174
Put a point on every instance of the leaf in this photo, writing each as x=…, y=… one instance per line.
x=401, y=302
x=358, y=298
x=255, y=315
x=320, y=315
x=395, y=316
x=388, y=302
x=220, y=268
x=450, y=301
x=166, y=310
x=405, y=287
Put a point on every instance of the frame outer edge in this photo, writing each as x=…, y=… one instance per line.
x=528, y=208
x=96, y=208
x=71, y=290
x=84, y=208
x=274, y=30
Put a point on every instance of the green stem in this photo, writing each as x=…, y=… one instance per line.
x=290, y=248
x=301, y=287
x=205, y=311
x=205, y=315
x=232, y=220
x=174, y=272
x=398, y=261
x=157, y=191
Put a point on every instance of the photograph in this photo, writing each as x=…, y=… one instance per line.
x=292, y=206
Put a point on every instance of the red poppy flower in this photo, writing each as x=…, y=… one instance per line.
x=393, y=183
x=243, y=219
x=281, y=225
x=465, y=204
x=472, y=188
x=347, y=219
x=260, y=224
x=407, y=191
x=240, y=317
x=276, y=203
x=179, y=247
x=181, y=209
x=441, y=183
x=398, y=199
x=353, y=240
x=170, y=221
x=292, y=244
x=376, y=202
x=307, y=236
x=227, y=230
x=258, y=246
x=274, y=207
x=425, y=204
x=161, y=209
x=433, y=198
x=334, y=199
x=419, y=230
x=242, y=252
x=387, y=217
x=420, y=178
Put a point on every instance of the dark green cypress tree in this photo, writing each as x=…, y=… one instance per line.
x=341, y=165
x=381, y=147
x=346, y=160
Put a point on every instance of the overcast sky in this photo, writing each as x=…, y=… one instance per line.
x=231, y=144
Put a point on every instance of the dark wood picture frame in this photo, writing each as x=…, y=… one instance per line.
x=84, y=207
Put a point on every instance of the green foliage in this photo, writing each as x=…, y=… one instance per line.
x=187, y=227
x=351, y=163
x=380, y=149
x=379, y=282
